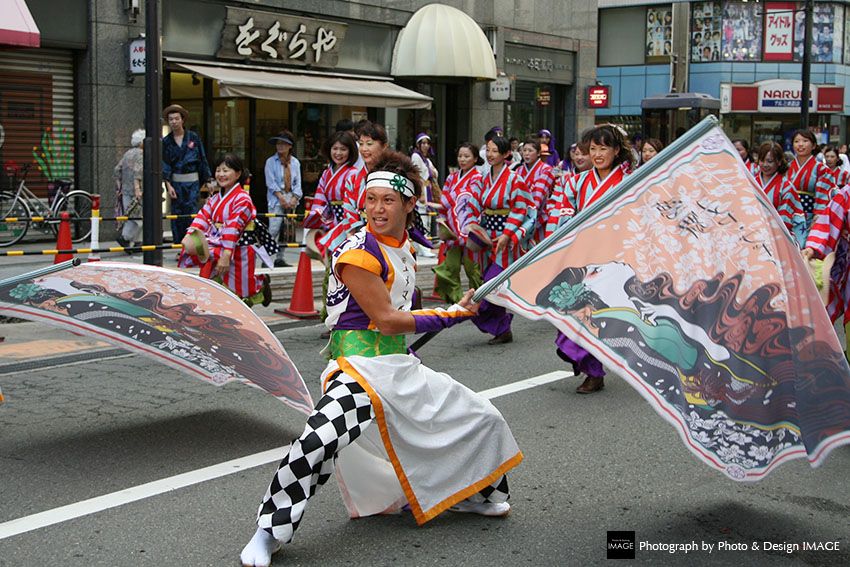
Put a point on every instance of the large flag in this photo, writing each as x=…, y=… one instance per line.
x=192, y=324
x=684, y=281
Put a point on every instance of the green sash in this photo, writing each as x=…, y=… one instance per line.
x=363, y=342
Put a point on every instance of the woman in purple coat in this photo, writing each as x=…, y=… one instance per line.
x=545, y=137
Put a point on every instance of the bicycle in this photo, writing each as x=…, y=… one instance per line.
x=19, y=209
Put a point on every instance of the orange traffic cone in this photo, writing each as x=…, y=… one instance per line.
x=302, y=305
x=64, y=240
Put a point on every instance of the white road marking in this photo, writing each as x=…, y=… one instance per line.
x=157, y=487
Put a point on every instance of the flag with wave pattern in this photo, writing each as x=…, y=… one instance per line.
x=684, y=282
x=189, y=323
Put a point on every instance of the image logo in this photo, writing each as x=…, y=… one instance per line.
x=621, y=545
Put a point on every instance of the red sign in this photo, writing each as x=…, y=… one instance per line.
x=597, y=97
x=544, y=97
x=830, y=99
x=779, y=30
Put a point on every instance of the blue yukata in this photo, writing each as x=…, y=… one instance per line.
x=186, y=168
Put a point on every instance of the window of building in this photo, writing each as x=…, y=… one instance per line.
x=621, y=42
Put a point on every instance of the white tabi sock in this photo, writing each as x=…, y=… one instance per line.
x=259, y=551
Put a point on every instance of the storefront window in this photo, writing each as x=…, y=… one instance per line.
x=823, y=32
x=620, y=23
x=187, y=90
x=706, y=27
x=230, y=127
x=531, y=110
x=734, y=31
x=742, y=31
x=659, y=33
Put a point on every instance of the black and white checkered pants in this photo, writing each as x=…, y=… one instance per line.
x=343, y=412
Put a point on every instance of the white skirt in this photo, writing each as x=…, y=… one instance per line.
x=436, y=442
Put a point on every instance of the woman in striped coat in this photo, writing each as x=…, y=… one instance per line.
x=812, y=179
x=783, y=196
x=539, y=179
x=612, y=160
x=504, y=213
x=227, y=222
x=328, y=209
x=833, y=162
x=459, y=199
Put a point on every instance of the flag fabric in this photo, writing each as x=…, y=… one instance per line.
x=189, y=323
x=685, y=282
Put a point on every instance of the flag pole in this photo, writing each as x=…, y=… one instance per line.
x=645, y=171
x=51, y=269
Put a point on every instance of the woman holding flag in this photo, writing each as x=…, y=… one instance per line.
x=504, y=213
x=387, y=447
x=612, y=160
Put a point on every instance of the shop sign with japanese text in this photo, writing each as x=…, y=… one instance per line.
x=779, y=30
x=137, y=57
x=278, y=38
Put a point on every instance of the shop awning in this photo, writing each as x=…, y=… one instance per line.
x=318, y=89
x=17, y=26
x=441, y=41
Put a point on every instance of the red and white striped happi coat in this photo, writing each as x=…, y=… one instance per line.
x=223, y=219
x=460, y=196
x=540, y=180
x=506, y=192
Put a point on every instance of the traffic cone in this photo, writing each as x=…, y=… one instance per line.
x=64, y=240
x=302, y=305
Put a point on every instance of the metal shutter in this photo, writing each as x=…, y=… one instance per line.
x=37, y=114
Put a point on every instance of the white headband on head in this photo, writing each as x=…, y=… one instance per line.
x=392, y=180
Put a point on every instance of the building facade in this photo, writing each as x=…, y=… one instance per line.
x=245, y=70
x=746, y=54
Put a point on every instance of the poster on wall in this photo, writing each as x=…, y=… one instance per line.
x=706, y=20
x=659, y=33
x=742, y=31
x=838, y=33
x=823, y=32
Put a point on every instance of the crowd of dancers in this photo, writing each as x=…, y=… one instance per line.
x=374, y=212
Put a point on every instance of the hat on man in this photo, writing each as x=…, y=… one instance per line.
x=281, y=138
x=175, y=108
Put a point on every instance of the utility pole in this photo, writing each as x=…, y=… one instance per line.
x=152, y=189
x=807, y=67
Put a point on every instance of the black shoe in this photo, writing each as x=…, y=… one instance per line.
x=503, y=339
x=123, y=243
x=267, y=290
x=280, y=263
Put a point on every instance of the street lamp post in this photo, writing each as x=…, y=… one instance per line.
x=807, y=67
x=152, y=180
